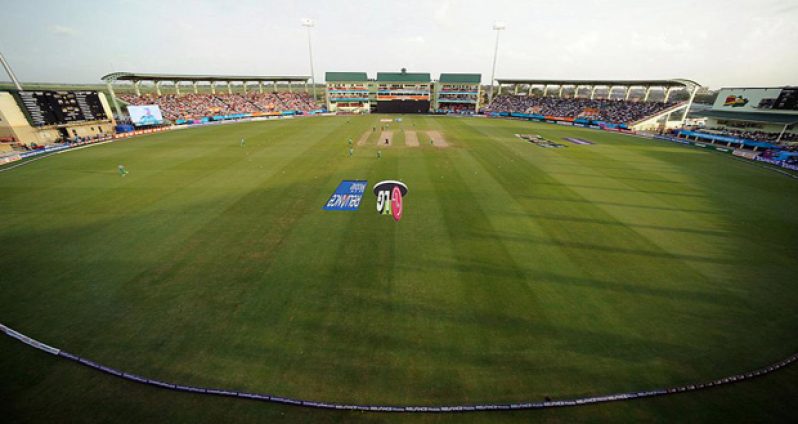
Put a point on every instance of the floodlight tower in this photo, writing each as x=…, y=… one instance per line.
x=10, y=72
x=308, y=23
x=498, y=27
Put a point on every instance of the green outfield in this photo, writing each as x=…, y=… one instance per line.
x=517, y=272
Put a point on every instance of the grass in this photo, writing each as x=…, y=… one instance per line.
x=516, y=273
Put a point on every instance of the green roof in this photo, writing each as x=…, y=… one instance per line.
x=345, y=76
x=765, y=118
x=461, y=78
x=403, y=77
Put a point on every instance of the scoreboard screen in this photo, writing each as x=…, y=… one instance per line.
x=787, y=100
x=43, y=108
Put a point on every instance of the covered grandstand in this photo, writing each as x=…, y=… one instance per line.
x=608, y=101
x=191, y=106
x=177, y=79
x=756, y=118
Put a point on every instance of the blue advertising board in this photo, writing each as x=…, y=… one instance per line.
x=727, y=139
x=347, y=196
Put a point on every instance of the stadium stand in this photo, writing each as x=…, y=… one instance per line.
x=404, y=92
x=195, y=106
x=186, y=106
x=348, y=92
x=607, y=110
x=758, y=117
x=457, y=93
x=768, y=137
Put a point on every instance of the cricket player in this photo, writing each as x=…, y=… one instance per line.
x=351, y=152
x=379, y=154
x=122, y=170
x=243, y=143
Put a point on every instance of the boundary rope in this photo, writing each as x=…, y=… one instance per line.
x=405, y=409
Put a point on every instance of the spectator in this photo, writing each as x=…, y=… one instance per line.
x=606, y=110
x=197, y=106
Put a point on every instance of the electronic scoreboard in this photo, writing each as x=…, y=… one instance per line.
x=44, y=108
x=787, y=100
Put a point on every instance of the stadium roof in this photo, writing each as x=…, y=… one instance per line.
x=765, y=118
x=403, y=77
x=132, y=76
x=600, y=82
x=345, y=76
x=461, y=78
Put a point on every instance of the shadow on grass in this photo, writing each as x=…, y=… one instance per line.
x=560, y=218
x=604, y=249
x=623, y=205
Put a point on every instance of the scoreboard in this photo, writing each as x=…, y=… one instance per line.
x=43, y=108
x=787, y=100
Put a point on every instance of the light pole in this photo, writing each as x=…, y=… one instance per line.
x=498, y=27
x=308, y=23
x=10, y=72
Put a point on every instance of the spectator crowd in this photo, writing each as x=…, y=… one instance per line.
x=607, y=110
x=755, y=135
x=197, y=106
x=452, y=96
x=458, y=108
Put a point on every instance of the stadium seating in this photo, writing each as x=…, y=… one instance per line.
x=768, y=137
x=197, y=106
x=606, y=110
x=456, y=108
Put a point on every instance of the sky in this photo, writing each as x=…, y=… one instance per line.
x=731, y=43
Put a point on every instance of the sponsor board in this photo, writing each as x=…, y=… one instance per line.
x=390, y=195
x=735, y=101
x=347, y=196
x=779, y=163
